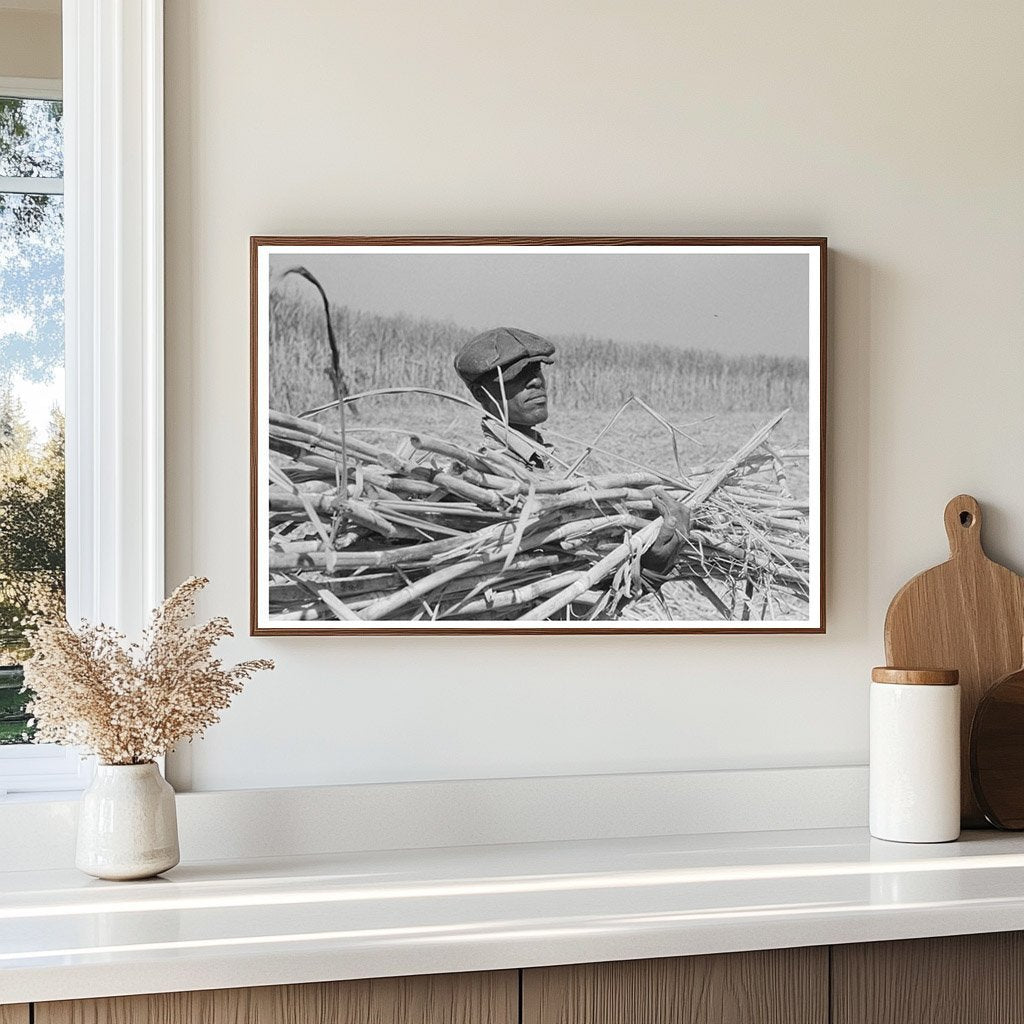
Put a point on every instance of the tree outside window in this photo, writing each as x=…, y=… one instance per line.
x=32, y=543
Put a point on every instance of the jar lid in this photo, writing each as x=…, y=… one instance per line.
x=916, y=676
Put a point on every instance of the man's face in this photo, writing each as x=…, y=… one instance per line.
x=527, y=397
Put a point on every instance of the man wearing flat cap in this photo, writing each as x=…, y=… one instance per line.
x=503, y=369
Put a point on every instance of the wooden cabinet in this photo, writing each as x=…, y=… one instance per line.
x=491, y=998
x=777, y=986
x=968, y=979
x=962, y=979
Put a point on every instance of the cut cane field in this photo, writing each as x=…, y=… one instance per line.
x=626, y=420
x=719, y=401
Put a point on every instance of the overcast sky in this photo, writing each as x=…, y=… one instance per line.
x=734, y=303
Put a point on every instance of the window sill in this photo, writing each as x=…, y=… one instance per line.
x=43, y=797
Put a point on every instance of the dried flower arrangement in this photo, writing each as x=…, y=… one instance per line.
x=130, y=703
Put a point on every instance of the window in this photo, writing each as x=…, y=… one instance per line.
x=32, y=532
x=31, y=382
x=113, y=330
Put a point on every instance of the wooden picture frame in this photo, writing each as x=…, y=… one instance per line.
x=501, y=525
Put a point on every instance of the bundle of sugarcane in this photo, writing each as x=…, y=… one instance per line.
x=440, y=531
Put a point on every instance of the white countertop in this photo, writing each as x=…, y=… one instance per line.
x=357, y=915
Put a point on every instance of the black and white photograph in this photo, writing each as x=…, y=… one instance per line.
x=537, y=435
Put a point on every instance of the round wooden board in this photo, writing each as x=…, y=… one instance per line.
x=967, y=613
x=997, y=752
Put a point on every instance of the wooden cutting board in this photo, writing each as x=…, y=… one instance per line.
x=967, y=614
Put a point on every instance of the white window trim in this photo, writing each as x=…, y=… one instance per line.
x=113, y=168
x=31, y=186
x=42, y=768
x=32, y=88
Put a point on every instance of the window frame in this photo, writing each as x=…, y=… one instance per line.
x=31, y=89
x=112, y=90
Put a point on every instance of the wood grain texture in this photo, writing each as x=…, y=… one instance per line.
x=481, y=998
x=961, y=979
x=915, y=676
x=777, y=986
x=967, y=614
x=997, y=752
x=14, y=1014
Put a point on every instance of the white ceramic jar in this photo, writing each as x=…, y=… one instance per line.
x=127, y=823
x=915, y=755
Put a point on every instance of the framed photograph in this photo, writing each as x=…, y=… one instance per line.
x=537, y=435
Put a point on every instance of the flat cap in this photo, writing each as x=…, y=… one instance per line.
x=508, y=349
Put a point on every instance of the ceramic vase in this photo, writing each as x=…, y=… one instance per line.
x=127, y=825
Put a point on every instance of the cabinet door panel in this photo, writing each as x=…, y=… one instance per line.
x=14, y=1014
x=778, y=986
x=960, y=979
x=484, y=998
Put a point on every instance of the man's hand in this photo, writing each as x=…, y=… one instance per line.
x=662, y=555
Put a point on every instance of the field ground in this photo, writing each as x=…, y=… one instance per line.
x=635, y=437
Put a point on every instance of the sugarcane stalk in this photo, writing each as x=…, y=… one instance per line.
x=525, y=568
x=335, y=368
x=336, y=605
x=514, y=597
x=436, y=446
x=380, y=557
x=419, y=523
x=586, y=496
x=387, y=606
x=753, y=535
x=636, y=544
x=780, y=469
x=454, y=485
x=291, y=428
x=422, y=587
x=703, y=490
x=759, y=558
x=521, y=523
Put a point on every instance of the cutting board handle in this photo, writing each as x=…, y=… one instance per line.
x=963, y=526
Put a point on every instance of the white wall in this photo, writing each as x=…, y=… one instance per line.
x=895, y=129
